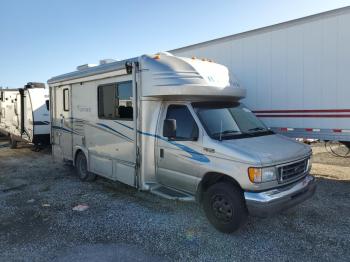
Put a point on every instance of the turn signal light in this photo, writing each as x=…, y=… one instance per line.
x=254, y=174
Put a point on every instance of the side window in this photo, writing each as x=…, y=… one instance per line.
x=66, y=99
x=186, y=127
x=47, y=102
x=115, y=101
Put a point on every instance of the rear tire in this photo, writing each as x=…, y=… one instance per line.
x=224, y=206
x=81, y=168
x=13, y=143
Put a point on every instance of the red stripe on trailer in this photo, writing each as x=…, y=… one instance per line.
x=305, y=111
x=308, y=116
x=337, y=130
x=284, y=129
x=308, y=129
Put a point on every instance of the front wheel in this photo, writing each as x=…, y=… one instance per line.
x=224, y=207
x=81, y=167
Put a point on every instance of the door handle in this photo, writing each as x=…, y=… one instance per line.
x=161, y=153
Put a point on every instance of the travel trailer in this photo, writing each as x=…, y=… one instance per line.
x=24, y=114
x=175, y=126
x=295, y=73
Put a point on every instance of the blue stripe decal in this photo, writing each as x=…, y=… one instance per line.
x=194, y=154
x=64, y=129
x=108, y=127
x=124, y=125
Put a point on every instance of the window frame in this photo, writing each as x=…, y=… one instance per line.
x=193, y=117
x=64, y=99
x=115, y=84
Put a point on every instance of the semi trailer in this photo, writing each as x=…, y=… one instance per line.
x=296, y=73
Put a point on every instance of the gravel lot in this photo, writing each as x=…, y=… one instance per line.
x=37, y=222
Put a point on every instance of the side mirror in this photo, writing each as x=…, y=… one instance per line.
x=169, y=128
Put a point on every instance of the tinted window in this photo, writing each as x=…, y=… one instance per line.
x=115, y=101
x=186, y=127
x=47, y=105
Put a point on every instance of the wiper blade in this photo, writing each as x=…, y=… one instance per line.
x=225, y=132
x=257, y=129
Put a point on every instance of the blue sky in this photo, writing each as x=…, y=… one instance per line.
x=40, y=39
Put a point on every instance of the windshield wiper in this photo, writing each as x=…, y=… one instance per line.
x=257, y=129
x=225, y=132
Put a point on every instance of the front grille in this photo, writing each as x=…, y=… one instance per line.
x=292, y=171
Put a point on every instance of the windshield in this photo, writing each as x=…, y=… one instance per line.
x=229, y=120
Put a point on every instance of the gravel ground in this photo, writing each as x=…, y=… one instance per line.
x=37, y=222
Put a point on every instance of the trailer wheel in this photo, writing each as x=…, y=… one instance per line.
x=224, y=207
x=81, y=167
x=13, y=143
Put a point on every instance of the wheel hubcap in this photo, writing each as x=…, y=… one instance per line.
x=222, y=208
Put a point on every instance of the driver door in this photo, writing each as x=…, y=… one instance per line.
x=178, y=158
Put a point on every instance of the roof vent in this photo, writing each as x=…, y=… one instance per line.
x=34, y=85
x=107, y=61
x=86, y=66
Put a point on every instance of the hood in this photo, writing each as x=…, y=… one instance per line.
x=270, y=149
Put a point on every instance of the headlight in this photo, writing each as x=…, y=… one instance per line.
x=261, y=175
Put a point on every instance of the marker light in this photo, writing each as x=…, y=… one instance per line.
x=157, y=56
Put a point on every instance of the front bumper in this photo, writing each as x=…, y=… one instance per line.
x=270, y=202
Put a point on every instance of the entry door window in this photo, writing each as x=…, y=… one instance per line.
x=66, y=99
x=186, y=127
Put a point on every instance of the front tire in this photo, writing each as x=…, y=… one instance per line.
x=224, y=207
x=81, y=167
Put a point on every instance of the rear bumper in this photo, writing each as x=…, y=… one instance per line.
x=270, y=202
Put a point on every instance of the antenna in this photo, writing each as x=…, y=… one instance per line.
x=220, y=130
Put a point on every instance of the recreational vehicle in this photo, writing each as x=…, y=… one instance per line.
x=175, y=126
x=24, y=114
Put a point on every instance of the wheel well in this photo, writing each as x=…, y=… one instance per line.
x=210, y=179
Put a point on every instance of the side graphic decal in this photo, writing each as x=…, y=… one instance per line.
x=197, y=156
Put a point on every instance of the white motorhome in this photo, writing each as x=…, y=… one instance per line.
x=174, y=126
x=24, y=114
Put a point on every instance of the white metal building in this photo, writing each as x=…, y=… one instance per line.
x=297, y=73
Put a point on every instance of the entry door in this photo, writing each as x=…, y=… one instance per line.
x=63, y=120
x=16, y=120
x=178, y=159
x=28, y=116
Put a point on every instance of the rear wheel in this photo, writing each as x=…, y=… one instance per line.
x=81, y=167
x=13, y=143
x=224, y=207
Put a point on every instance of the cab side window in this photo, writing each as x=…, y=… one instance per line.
x=186, y=126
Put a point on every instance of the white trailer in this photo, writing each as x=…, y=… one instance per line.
x=174, y=126
x=296, y=73
x=24, y=114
